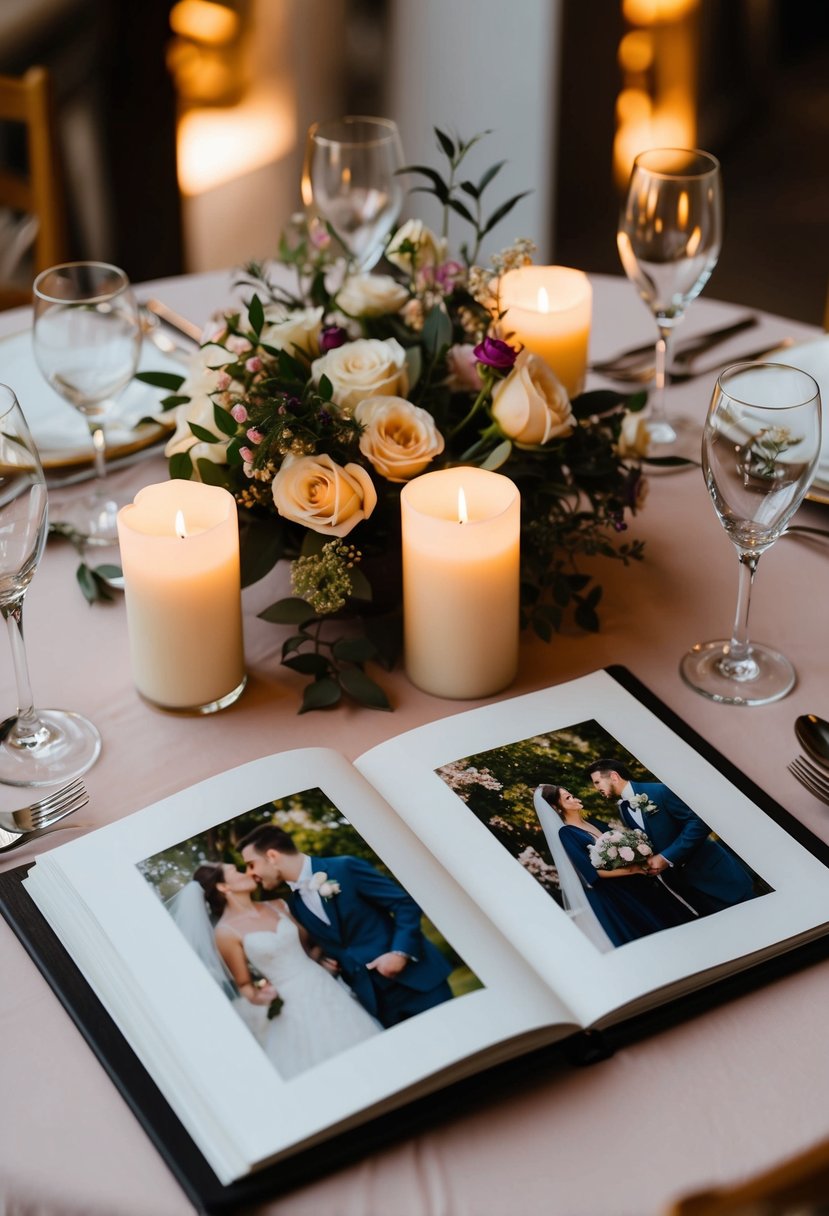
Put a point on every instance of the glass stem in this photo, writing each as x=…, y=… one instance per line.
x=738, y=664
x=99, y=447
x=664, y=348
x=27, y=729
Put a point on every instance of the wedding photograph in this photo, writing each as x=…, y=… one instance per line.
x=305, y=931
x=615, y=847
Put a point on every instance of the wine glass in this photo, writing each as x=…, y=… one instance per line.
x=669, y=238
x=39, y=746
x=760, y=447
x=350, y=180
x=87, y=339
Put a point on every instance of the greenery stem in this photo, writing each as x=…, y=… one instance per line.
x=486, y=389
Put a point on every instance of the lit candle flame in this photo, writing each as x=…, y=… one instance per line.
x=463, y=514
x=543, y=300
x=180, y=528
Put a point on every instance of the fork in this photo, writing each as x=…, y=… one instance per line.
x=15, y=840
x=810, y=777
x=637, y=356
x=642, y=375
x=46, y=811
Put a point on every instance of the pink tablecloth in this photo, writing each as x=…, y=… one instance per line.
x=717, y=1098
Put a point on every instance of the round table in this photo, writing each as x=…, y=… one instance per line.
x=681, y=1109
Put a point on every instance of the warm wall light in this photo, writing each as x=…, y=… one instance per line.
x=217, y=145
x=655, y=12
x=204, y=21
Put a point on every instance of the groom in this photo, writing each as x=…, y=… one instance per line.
x=710, y=876
x=363, y=920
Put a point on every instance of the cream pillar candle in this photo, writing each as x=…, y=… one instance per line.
x=461, y=581
x=548, y=308
x=183, y=597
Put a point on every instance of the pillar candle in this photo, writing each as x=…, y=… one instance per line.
x=548, y=308
x=180, y=555
x=461, y=582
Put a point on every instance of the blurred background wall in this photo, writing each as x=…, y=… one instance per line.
x=182, y=123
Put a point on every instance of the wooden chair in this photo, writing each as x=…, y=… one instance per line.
x=798, y=1187
x=39, y=191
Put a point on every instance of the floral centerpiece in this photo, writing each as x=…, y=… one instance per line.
x=313, y=406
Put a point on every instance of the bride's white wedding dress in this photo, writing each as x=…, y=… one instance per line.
x=319, y=1018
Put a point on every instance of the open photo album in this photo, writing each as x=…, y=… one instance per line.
x=302, y=944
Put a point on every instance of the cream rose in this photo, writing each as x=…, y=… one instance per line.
x=289, y=330
x=205, y=376
x=531, y=405
x=634, y=437
x=321, y=495
x=429, y=249
x=371, y=295
x=400, y=439
x=369, y=367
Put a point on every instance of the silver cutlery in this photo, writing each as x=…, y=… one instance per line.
x=644, y=375
x=47, y=810
x=642, y=357
x=152, y=331
x=17, y=840
x=813, y=736
x=174, y=319
x=810, y=778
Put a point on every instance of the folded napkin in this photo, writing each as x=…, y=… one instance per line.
x=813, y=357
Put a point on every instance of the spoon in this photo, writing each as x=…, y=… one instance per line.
x=813, y=736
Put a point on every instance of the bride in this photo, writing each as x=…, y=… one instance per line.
x=610, y=913
x=319, y=1016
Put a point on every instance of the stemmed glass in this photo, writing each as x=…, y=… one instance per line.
x=669, y=238
x=39, y=746
x=350, y=180
x=760, y=447
x=87, y=339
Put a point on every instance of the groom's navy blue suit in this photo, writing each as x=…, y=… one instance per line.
x=709, y=875
x=370, y=916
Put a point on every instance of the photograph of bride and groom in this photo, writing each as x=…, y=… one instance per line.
x=610, y=842
x=307, y=933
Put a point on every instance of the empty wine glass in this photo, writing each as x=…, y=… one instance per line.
x=350, y=181
x=39, y=746
x=87, y=339
x=669, y=239
x=760, y=447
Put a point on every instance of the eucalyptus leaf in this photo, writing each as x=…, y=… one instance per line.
x=212, y=474
x=308, y=664
x=181, y=466
x=363, y=689
x=461, y=209
x=261, y=545
x=498, y=456
x=170, y=403
x=293, y=643
x=224, y=422
x=437, y=331
x=354, y=650
x=256, y=314
x=203, y=434
x=487, y=177
x=320, y=695
x=446, y=143
x=414, y=365
x=503, y=211
x=169, y=380
x=290, y=611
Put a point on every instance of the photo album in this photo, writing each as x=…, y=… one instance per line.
x=296, y=948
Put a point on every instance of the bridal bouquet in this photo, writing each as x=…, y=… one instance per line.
x=314, y=405
x=618, y=848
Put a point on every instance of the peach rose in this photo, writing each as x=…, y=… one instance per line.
x=321, y=495
x=400, y=439
x=371, y=295
x=531, y=405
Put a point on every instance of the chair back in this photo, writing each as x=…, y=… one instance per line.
x=37, y=192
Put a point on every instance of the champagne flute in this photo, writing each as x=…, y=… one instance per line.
x=350, y=180
x=760, y=447
x=669, y=239
x=87, y=339
x=39, y=746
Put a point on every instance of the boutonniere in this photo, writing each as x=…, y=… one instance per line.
x=643, y=803
x=327, y=887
